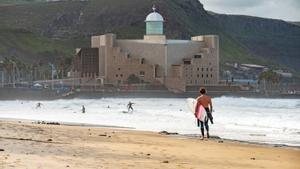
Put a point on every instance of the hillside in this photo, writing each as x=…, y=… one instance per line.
x=296, y=23
x=29, y=47
x=71, y=23
x=274, y=40
x=19, y=2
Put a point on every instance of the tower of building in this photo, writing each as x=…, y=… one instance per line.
x=154, y=23
x=154, y=26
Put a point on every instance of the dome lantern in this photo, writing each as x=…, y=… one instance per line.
x=154, y=23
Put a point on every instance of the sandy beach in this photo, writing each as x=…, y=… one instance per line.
x=38, y=146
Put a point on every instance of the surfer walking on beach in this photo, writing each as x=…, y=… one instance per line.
x=205, y=101
x=129, y=106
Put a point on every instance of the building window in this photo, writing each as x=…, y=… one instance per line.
x=207, y=75
x=207, y=69
x=142, y=61
x=202, y=76
x=142, y=73
x=121, y=75
x=202, y=69
x=211, y=75
x=198, y=75
x=198, y=56
x=187, y=62
x=197, y=69
x=117, y=75
x=119, y=68
x=211, y=69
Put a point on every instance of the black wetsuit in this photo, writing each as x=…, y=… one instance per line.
x=209, y=115
x=130, y=106
x=83, y=109
x=205, y=123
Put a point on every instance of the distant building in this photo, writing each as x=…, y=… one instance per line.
x=243, y=73
x=154, y=59
x=283, y=73
x=254, y=67
x=87, y=62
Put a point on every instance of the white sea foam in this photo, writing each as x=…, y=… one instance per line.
x=274, y=121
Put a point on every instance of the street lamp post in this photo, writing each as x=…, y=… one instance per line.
x=14, y=75
x=52, y=75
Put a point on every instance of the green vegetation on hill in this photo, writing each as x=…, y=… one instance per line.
x=274, y=40
x=19, y=2
x=30, y=47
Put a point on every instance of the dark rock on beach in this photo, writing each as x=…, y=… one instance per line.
x=167, y=133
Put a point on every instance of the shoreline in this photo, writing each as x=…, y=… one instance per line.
x=24, y=145
x=183, y=136
x=28, y=94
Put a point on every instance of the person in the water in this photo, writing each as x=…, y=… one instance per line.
x=129, y=106
x=206, y=102
x=83, y=109
x=38, y=105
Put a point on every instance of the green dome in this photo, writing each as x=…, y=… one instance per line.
x=154, y=23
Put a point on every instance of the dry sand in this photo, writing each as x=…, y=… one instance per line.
x=38, y=146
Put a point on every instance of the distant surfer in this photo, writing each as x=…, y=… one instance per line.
x=129, y=106
x=38, y=105
x=205, y=101
x=83, y=109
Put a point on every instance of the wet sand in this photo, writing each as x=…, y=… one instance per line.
x=40, y=146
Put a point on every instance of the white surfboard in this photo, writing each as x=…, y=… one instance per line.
x=191, y=104
x=201, y=114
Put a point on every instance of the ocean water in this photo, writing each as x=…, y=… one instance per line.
x=272, y=121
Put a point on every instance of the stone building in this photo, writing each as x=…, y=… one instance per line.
x=154, y=59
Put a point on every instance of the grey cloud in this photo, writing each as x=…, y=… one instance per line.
x=277, y=9
x=296, y=3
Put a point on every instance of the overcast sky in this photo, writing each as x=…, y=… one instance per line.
x=288, y=10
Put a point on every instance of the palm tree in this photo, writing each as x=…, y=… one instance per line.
x=270, y=80
x=8, y=66
x=63, y=63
